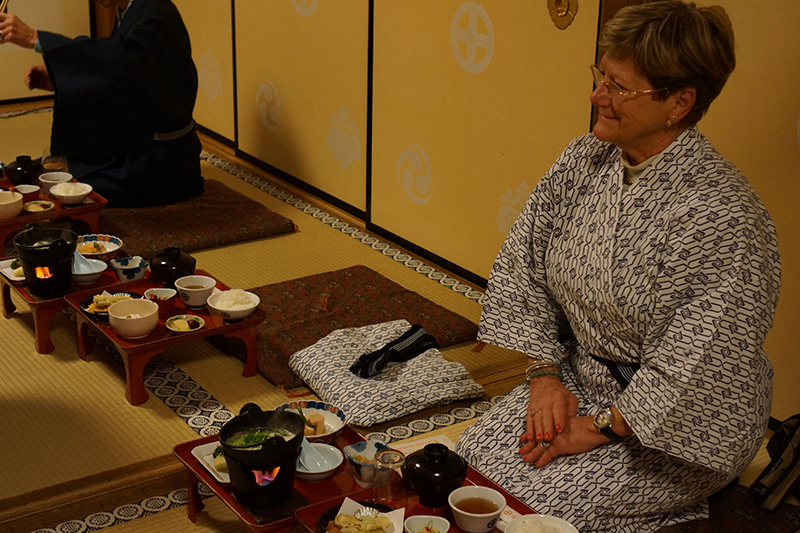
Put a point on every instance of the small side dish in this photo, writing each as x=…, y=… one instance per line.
x=37, y=206
x=185, y=323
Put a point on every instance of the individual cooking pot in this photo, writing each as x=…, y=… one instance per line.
x=262, y=473
x=46, y=256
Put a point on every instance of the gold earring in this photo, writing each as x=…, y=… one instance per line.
x=669, y=121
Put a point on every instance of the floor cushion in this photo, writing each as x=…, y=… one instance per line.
x=217, y=217
x=302, y=311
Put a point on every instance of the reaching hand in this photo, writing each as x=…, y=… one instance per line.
x=37, y=77
x=550, y=407
x=13, y=30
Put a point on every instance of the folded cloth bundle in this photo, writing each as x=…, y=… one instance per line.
x=413, y=342
x=400, y=389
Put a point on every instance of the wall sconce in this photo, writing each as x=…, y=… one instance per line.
x=562, y=12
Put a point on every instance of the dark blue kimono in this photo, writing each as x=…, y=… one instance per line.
x=123, y=107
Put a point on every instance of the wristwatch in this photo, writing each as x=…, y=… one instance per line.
x=603, y=421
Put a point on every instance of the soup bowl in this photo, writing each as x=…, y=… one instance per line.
x=133, y=319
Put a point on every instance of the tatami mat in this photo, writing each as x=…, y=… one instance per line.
x=71, y=418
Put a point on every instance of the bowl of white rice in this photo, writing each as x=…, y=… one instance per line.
x=233, y=304
x=70, y=193
x=538, y=523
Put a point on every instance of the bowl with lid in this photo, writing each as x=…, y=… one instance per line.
x=434, y=472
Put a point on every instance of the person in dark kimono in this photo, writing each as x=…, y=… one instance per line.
x=641, y=278
x=123, y=104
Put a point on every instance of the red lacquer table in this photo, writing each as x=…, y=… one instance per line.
x=88, y=211
x=319, y=496
x=137, y=352
x=43, y=309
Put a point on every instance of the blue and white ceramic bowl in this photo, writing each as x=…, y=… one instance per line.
x=334, y=417
x=129, y=268
x=360, y=457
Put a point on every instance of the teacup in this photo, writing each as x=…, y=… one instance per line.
x=195, y=290
x=476, y=508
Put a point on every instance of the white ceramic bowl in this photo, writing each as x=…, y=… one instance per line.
x=110, y=246
x=48, y=179
x=129, y=268
x=526, y=522
x=476, y=522
x=334, y=417
x=360, y=457
x=121, y=316
x=195, y=290
x=70, y=193
x=332, y=459
x=418, y=523
x=238, y=313
x=97, y=269
x=29, y=192
x=10, y=204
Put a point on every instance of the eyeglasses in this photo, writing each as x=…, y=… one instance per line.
x=618, y=93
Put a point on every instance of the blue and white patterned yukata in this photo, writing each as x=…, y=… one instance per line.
x=680, y=273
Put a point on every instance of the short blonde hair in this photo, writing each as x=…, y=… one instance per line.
x=676, y=46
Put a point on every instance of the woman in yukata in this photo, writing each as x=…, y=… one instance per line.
x=123, y=105
x=647, y=258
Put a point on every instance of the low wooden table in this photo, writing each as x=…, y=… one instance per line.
x=88, y=211
x=44, y=310
x=137, y=352
x=320, y=496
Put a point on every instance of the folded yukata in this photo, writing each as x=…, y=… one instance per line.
x=400, y=388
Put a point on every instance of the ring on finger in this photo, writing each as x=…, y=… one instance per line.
x=544, y=444
x=534, y=412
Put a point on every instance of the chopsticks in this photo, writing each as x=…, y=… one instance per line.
x=3, y=6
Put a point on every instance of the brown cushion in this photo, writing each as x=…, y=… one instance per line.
x=304, y=310
x=217, y=217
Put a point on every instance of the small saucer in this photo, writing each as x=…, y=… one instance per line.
x=171, y=321
x=38, y=205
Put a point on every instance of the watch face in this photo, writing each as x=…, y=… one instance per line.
x=603, y=419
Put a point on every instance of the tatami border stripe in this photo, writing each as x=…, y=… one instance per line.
x=365, y=238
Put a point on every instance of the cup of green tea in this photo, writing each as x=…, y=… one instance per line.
x=475, y=508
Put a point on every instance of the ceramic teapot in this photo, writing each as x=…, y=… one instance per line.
x=24, y=171
x=434, y=472
x=170, y=265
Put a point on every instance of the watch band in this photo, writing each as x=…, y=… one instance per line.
x=608, y=432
